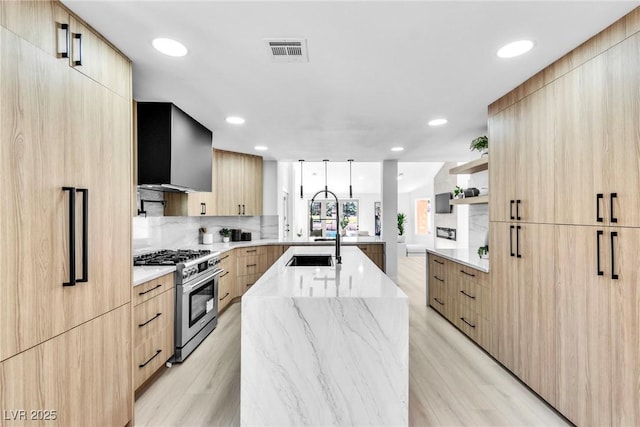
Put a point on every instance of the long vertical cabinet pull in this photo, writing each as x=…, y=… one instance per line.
x=85, y=235
x=511, y=227
x=599, y=197
x=612, y=198
x=511, y=202
x=77, y=49
x=63, y=40
x=518, y=210
x=518, y=255
x=239, y=210
x=599, y=233
x=203, y=208
x=242, y=209
x=72, y=236
x=614, y=276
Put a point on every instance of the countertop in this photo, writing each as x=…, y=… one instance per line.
x=356, y=277
x=466, y=257
x=144, y=274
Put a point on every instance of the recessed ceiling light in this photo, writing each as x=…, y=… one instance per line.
x=515, y=49
x=397, y=149
x=235, y=120
x=260, y=148
x=169, y=47
x=438, y=122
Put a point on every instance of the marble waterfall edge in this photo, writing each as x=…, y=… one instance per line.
x=324, y=360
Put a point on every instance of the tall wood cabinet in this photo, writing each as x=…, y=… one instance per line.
x=64, y=347
x=567, y=312
x=237, y=183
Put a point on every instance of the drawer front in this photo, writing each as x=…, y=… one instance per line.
x=153, y=316
x=466, y=319
x=152, y=288
x=437, y=266
x=151, y=354
x=477, y=329
x=469, y=273
x=243, y=283
x=436, y=297
x=371, y=249
x=226, y=290
x=253, y=264
x=473, y=296
x=228, y=260
x=252, y=251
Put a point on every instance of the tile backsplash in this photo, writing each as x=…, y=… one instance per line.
x=156, y=231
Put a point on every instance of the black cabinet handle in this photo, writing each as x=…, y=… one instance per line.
x=612, y=197
x=511, y=227
x=252, y=250
x=518, y=209
x=614, y=276
x=598, y=234
x=463, y=319
x=225, y=273
x=511, y=202
x=77, y=49
x=518, y=255
x=438, y=262
x=224, y=257
x=63, y=31
x=225, y=295
x=242, y=209
x=468, y=274
x=140, y=325
x=150, y=290
x=203, y=208
x=85, y=235
x=72, y=236
x=467, y=295
x=438, y=279
x=152, y=357
x=239, y=210
x=438, y=301
x=599, y=197
x=251, y=265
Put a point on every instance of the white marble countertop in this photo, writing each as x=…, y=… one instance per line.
x=356, y=277
x=144, y=274
x=466, y=257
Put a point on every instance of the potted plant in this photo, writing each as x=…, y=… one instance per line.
x=483, y=252
x=458, y=192
x=480, y=144
x=226, y=234
x=402, y=219
x=207, y=238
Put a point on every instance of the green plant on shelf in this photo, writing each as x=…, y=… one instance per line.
x=225, y=232
x=481, y=143
x=458, y=192
x=483, y=251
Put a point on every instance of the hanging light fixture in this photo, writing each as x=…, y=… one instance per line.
x=350, y=188
x=301, y=192
x=326, y=188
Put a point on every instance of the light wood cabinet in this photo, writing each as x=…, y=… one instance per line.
x=522, y=161
x=153, y=323
x=375, y=252
x=598, y=161
x=598, y=340
x=227, y=288
x=237, y=183
x=522, y=285
x=66, y=346
x=189, y=204
x=84, y=375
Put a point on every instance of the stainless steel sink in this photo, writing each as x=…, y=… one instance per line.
x=310, y=261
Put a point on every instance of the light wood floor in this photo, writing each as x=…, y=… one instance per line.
x=452, y=382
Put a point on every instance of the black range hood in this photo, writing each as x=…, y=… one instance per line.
x=174, y=150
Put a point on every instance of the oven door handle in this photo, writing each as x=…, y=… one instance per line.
x=189, y=288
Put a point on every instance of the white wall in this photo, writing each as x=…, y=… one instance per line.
x=270, y=187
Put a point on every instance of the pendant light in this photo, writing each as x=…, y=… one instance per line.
x=301, y=192
x=350, y=187
x=326, y=195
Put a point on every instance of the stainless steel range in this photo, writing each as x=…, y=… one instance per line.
x=196, y=277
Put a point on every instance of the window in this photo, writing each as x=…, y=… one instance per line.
x=322, y=217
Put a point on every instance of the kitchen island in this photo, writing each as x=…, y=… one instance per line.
x=324, y=345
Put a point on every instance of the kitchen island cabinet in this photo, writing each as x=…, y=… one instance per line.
x=350, y=327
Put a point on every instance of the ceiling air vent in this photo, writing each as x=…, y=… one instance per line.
x=287, y=50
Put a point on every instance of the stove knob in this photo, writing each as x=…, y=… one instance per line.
x=185, y=274
x=211, y=262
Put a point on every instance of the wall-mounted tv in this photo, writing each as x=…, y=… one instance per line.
x=442, y=203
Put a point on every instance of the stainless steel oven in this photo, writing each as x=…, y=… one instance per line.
x=196, y=304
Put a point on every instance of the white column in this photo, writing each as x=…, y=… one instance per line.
x=390, y=216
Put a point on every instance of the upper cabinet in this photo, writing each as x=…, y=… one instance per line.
x=598, y=162
x=237, y=180
x=522, y=161
x=189, y=204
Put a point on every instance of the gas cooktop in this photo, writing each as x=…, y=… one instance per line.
x=169, y=257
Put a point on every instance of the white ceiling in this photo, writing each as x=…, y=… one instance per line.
x=378, y=71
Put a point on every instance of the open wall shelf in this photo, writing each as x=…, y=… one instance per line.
x=470, y=200
x=474, y=166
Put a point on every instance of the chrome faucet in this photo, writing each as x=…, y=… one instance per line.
x=325, y=191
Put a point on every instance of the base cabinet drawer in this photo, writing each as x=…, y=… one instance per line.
x=252, y=264
x=245, y=282
x=226, y=290
x=152, y=288
x=150, y=355
x=153, y=316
